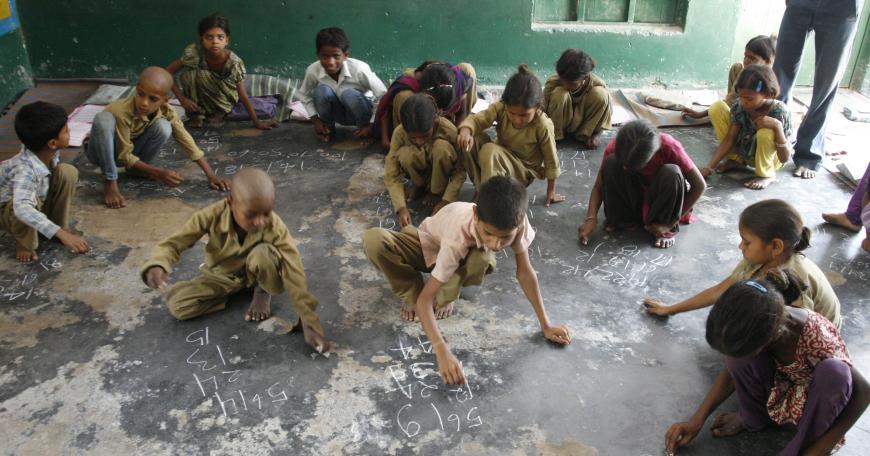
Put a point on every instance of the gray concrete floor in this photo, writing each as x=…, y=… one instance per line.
x=91, y=362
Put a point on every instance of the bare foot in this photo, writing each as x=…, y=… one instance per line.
x=727, y=424
x=112, y=195
x=261, y=306
x=664, y=242
x=324, y=137
x=842, y=221
x=315, y=340
x=729, y=165
x=431, y=199
x=758, y=183
x=804, y=172
x=413, y=193
x=216, y=121
x=443, y=311
x=408, y=314
x=865, y=244
x=593, y=142
x=25, y=255
x=195, y=122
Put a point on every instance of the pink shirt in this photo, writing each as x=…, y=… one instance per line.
x=671, y=152
x=447, y=237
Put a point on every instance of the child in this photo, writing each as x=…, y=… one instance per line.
x=757, y=131
x=642, y=181
x=787, y=366
x=526, y=145
x=854, y=216
x=576, y=100
x=36, y=191
x=248, y=246
x=758, y=51
x=132, y=130
x=454, y=88
x=456, y=247
x=334, y=88
x=213, y=76
x=772, y=235
x=424, y=149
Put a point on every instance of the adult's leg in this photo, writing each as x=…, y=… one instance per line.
x=834, y=25
x=797, y=21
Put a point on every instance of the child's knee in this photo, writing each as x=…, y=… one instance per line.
x=351, y=97
x=373, y=242
x=480, y=261
x=442, y=150
x=104, y=123
x=407, y=157
x=488, y=152
x=718, y=108
x=598, y=97
x=670, y=172
x=66, y=174
x=765, y=136
x=323, y=91
x=261, y=257
x=164, y=128
x=834, y=377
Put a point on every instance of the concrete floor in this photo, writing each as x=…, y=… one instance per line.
x=91, y=362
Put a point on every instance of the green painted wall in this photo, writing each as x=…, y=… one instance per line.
x=117, y=38
x=15, y=72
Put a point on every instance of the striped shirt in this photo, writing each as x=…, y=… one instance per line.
x=24, y=180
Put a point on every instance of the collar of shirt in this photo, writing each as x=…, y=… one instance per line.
x=144, y=118
x=472, y=232
x=226, y=225
x=38, y=166
x=342, y=75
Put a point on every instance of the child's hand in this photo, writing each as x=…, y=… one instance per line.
x=558, y=334
x=553, y=197
x=169, y=177
x=656, y=307
x=188, y=104
x=706, y=171
x=680, y=434
x=363, y=132
x=449, y=367
x=265, y=124
x=404, y=217
x=465, y=140
x=767, y=122
x=216, y=183
x=77, y=244
x=689, y=112
x=155, y=277
x=586, y=229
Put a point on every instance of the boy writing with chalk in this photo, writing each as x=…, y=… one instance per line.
x=456, y=247
x=132, y=130
x=248, y=246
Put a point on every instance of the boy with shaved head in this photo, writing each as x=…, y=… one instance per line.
x=248, y=246
x=132, y=130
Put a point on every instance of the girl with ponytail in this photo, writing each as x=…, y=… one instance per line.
x=787, y=365
x=772, y=235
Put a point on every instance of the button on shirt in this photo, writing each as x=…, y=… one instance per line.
x=24, y=179
x=355, y=74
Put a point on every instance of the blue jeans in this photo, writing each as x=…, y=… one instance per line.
x=351, y=107
x=100, y=148
x=834, y=23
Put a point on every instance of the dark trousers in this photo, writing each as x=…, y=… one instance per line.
x=628, y=201
x=834, y=23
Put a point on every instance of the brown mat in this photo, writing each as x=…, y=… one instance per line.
x=631, y=102
x=67, y=94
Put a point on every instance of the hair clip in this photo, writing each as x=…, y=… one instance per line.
x=756, y=285
x=446, y=85
x=760, y=86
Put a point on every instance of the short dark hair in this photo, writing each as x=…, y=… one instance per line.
x=502, y=202
x=439, y=80
x=523, y=89
x=332, y=36
x=636, y=142
x=38, y=123
x=746, y=318
x=776, y=219
x=574, y=65
x=418, y=113
x=763, y=46
x=758, y=78
x=214, y=21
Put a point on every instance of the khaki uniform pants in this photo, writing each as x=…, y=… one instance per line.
x=399, y=256
x=209, y=292
x=582, y=119
x=432, y=168
x=487, y=159
x=61, y=189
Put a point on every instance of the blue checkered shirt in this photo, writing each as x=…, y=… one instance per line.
x=24, y=180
